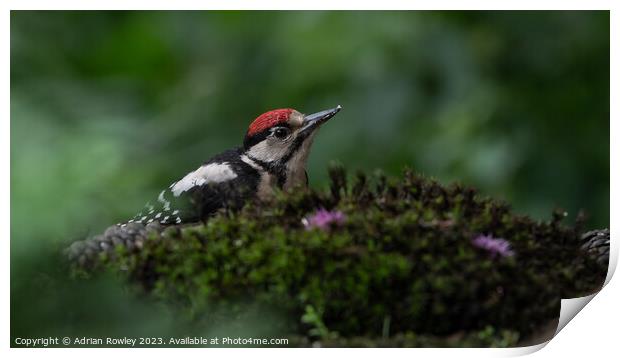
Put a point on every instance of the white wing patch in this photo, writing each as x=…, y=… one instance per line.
x=210, y=173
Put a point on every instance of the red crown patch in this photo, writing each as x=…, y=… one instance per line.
x=268, y=120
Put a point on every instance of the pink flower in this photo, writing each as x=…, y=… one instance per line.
x=496, y=247
x=323, y=219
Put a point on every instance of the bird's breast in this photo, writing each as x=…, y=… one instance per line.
x=266, y=185
x=296, y=179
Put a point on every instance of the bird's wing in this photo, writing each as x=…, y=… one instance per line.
x=193, y=197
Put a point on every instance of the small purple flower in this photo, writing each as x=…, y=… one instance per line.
x=496, y=247
x=322, y=219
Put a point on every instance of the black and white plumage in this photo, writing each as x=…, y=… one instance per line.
x=223, y=180
x=597, y=243
x=274, y=154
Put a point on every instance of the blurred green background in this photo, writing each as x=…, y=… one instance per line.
x=109, y=107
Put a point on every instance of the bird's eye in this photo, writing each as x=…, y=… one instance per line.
x=281, y=132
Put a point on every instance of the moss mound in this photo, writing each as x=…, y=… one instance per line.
x=399, y=269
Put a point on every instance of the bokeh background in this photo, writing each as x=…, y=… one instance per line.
x=109, y=107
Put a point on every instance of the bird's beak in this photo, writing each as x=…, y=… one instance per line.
x=314, y=121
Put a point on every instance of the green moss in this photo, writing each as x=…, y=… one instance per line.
x=400, y=271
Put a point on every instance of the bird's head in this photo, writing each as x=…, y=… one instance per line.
x=283, y=137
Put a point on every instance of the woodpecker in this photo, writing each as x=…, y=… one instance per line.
x=274, y=154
